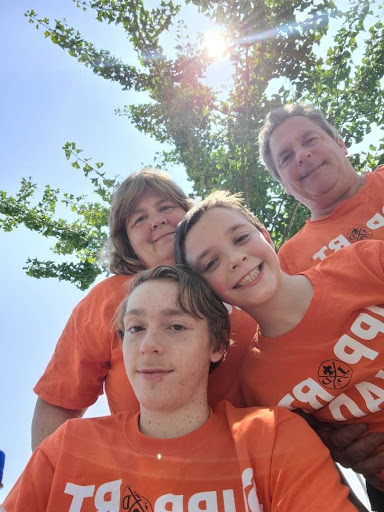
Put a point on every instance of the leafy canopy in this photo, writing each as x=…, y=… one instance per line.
x=281, y=51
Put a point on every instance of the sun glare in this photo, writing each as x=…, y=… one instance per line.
x=215, y=44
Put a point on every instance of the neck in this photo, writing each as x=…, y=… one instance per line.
x=171, y=424
x=327, y=205
x=286, y=308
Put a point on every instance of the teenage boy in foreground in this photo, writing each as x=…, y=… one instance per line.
x=320, y=346
x=177, y=455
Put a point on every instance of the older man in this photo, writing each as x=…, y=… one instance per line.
x=304, y=152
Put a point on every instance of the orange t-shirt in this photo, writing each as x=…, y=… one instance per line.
x=88, y=356
x=360, y=217
x=331, y=364
x=240, y=460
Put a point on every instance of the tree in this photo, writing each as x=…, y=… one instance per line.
x=277, y=54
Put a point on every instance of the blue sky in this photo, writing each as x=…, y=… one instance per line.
x=47, y=99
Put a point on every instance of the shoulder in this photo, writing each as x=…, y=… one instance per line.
x=111, y=290
x=112, y=283
x=77, y=435
x=379, y=171
x=263, y=419
x=363, y=253
x=361, y=262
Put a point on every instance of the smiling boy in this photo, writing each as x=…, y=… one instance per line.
x=176, y=454
x=321, y=332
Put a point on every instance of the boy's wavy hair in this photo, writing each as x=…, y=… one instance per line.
x=194, y=296
x=219, y=199
x=119, y=252
x=276, y=117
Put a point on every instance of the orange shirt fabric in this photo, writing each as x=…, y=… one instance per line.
x=358, y=218
x=88, y=356
x=240, y=460
x=332, y=363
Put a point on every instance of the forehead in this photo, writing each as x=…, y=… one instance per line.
x=148, y=197
x=153, y=294
x=293, y=128
x=212, y=229
x=219, y=218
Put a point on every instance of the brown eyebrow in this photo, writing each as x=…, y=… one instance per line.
x=168, y=312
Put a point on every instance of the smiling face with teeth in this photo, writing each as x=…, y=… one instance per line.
x=234, y=256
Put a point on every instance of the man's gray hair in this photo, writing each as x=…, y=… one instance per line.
x=276, y=117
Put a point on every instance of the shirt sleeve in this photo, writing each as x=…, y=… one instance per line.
x=303, y=475
x=75, y=375
x=283, y=262
x=32, y=490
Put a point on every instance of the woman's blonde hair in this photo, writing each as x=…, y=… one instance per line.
x=119, y=253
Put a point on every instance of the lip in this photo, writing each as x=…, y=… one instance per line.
x=252, y=283
x=163, y=236
x=311, y=171
x=153, y=373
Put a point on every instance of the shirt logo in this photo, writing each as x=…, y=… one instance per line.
x=334, y=374
x=357, y=234
x=133, y=502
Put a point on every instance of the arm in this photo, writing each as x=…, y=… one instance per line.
x=349, y=449
x=47, y=418
x=352, y=451
x=303, y=476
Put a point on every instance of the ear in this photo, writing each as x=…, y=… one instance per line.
x=341, y=144
x=268, y=238
x=217, y=355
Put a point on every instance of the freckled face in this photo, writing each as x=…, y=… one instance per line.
x=232, y=254
x=167, y=352
x=151, y=229
x=310, y=163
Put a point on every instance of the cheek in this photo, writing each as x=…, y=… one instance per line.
x=176, y=217
x=217, y=283
x=137, y=240
x=128, y=357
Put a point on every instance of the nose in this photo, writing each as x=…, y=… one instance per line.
x=302, y=155
x=237, y=260
x=158, y=221
x=151, y=342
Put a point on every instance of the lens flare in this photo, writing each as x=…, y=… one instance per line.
x=215, y=44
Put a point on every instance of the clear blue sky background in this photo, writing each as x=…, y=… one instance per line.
x=47, y=99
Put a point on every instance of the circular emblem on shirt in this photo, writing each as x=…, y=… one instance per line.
x=134, y=502
x=334, y=374
x=357, y=234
